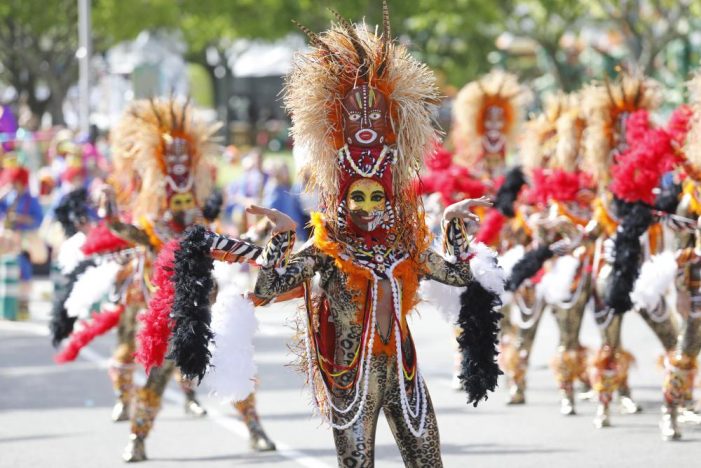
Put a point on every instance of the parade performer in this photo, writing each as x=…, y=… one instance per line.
x=362, y=106
x=487, y=117
x=161, y=155
x=627, y=159
x=557, y=196
x=681, y=361
x=563, y=194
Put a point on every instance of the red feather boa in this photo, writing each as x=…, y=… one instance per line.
x=157, y=325
x=101, y=240
x=99, y=325
x=638, y=169
x=490, y=227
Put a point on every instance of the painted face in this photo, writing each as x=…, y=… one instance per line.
x=180, y=202
x=365, y=117
x=366, y=203
x=177, y=156
x=493, y=140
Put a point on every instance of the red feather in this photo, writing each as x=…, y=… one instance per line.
x=490, y=227
x=638, y=169
x=101, y=240
x=99, y=325
x=157, y=325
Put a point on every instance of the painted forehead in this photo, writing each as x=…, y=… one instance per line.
x=363, y=96
x=366, y=185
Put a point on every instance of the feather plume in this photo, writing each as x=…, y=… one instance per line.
x=91, y=287
x=99, y=324
x=231, y=375
x=656, y=278
x=156, y=329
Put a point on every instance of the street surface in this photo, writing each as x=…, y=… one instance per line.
x=59, y=416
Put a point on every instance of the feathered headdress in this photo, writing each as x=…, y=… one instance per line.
x=691, y=142
x=499, y=90
x=160, y=148
x=539, y=145
x=343, y=58
x=607, y=106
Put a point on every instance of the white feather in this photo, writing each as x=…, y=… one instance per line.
x=555, y=286
x=232, y=372
x=508, y=259
x=443, y=297
x=486, y=270
x=69, y=255
x=91, y=288
x=656, y=277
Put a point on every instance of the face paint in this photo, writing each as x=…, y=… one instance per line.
x=493, y=140
x=177, y=156
x=366, y=203
x=365, y=117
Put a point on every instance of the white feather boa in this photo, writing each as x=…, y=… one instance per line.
x=91, y=287
x=656, y=277
x=232, y=372
x=555, y=286
x=447, y=298
x=69, y=255
x=508, y=259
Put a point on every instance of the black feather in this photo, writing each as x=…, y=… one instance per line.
x=479, y=330
x=72, y=211
x=508, y=192
x=191, y=309
x=628, y=252
x=528, y=266
x=668, y=199
x=212, y=207
x=61, y=325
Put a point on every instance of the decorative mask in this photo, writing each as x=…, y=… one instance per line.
x=493, y=140
x=366, y=203
x=365, y=119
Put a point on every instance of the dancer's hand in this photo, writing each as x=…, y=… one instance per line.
x=461, y=209
x=280, y=221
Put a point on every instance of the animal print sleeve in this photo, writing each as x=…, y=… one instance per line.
x=281, y=271
x=453, y=268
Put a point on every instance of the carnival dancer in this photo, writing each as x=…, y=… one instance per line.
x=684, y=129
x=615, y=151
x=555, y=194
x=487, y=118
x=362, y=106
x=161, y=155
x=564, y=194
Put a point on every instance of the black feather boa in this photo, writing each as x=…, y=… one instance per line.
x=72, y=211
x=528, y=266
x=668, y=198
x=508, y=192
x=636, y=218
x=191, y=313
x=61, y=325
x=212, y=207
x=479, y=329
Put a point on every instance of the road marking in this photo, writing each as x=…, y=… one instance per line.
x=238, y=428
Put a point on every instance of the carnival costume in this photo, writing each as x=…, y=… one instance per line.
x=361, y=106
x=625, y=229
x=684, y=130
x=487, y=117
x=560, y=282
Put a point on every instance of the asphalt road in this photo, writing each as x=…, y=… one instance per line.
x=59, y=416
